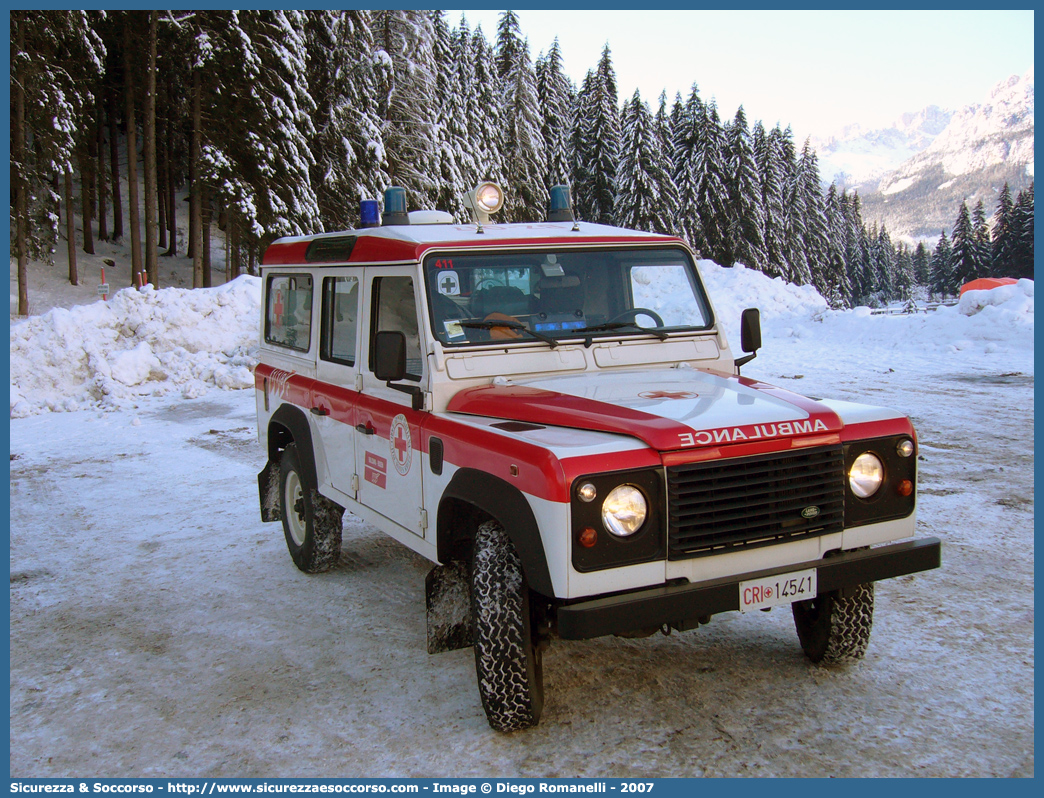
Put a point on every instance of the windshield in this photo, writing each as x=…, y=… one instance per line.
x=559, y=295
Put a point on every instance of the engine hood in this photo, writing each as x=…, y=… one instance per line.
x=668, y=409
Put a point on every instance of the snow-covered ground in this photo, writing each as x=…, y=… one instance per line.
x=158, y=627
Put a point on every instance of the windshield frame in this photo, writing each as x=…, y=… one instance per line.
x=580, y=334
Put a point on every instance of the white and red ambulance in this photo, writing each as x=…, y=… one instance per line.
x=551, y=414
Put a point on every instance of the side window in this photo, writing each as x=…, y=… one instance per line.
x=288, y=315
x=395, y=308
x=340, y=319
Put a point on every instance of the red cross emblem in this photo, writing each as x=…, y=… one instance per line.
x=668, y=395
x=401, y=444
x=278, y=308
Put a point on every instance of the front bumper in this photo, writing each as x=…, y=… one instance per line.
x=680, y=605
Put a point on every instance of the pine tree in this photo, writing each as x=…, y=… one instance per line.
x=525, y=163
x=643, y=182
x=347, y=147
x=555, y=94
x=836, y=288
x=746, y=213
x=257, y=160
x=855, y=247
x=815, y=240
x=55, y=59
x=981, y=236
x=600, y=143
x=942, y=266
x=903, y=280
x=486, y=121
x=964, y=259
x=409, y=130
x=683, y=142
x=1001, y=247
x=448, y=176
x=509, y=42
x=921, y=265
x=768, y=150
x=883, y=264
x=712, y=196
x=1022, y=261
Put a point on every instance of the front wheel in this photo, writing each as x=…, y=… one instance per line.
x=311, y=522
x=507, y=663
x=835, y=630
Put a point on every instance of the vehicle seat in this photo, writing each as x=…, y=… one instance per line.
x=506, y=299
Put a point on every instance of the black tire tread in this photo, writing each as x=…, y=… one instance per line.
x=835, y=630
x=506, y=663
x=322, y=546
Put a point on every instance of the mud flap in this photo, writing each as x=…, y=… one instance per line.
x=448, y=598
x=268, y=491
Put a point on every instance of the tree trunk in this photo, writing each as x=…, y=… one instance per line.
x=87, y=198
x=132, y=155
x=70, y=228
x=172, y=200
x=19, y=170
x=161, y=187
x=196, y=205
x=149, y=155
x=114, y=161
x=205, y=239
x=103, y=222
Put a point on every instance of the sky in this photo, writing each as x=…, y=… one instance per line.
x=814, y=70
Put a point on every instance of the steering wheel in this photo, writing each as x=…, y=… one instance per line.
x=634, y=313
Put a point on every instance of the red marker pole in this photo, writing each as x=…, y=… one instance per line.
x=105, y=296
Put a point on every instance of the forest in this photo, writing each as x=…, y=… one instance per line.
x=279, y=122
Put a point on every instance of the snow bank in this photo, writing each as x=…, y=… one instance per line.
x=986, y=322
x=139, y=343
x=174, y=340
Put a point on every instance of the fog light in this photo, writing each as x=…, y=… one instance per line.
x=905, y=487
x=588, y=537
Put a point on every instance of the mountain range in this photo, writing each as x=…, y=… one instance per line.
x=913, y=176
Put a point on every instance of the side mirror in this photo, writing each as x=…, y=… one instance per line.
x=389, y=356
x=750, y=335
x=750, y=330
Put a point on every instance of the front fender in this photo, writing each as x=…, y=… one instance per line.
x=508, y=505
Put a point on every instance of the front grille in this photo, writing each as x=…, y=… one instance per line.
x=754, y=501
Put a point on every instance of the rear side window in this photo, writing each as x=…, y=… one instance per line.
x=288, y=314
x=340, y=319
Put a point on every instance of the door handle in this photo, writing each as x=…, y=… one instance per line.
x=320, y=411
x=365, y=429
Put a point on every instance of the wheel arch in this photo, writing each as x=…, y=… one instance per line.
x=480, y=496
x=290, y=425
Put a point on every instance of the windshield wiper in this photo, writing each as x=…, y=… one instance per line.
x=618, y=325
x=511, y=325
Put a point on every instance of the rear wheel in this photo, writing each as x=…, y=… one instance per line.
x=311, y=522
x=835, y=630
x=507, y=662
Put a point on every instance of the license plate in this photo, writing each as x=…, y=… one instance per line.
x=771, y=591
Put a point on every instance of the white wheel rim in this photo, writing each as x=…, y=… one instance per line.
x=294, y=498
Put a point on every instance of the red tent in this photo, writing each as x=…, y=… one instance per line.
x=986, y=283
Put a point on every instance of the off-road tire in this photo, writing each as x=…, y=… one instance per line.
x=835, y=630
x=507, y=663
x=311, y=522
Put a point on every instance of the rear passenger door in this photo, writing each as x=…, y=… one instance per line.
x=338, y=381
x=388, y=430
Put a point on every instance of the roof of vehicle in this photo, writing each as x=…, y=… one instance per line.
x=408, y=243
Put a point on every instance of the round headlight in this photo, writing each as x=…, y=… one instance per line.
x=624, y=510
x=866, y=475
